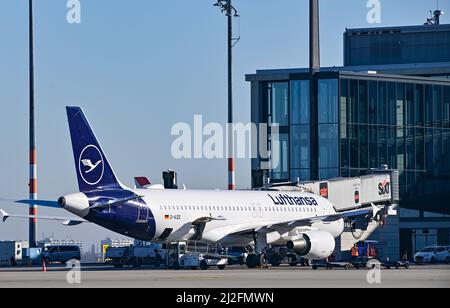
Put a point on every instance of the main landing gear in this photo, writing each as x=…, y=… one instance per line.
x=260, y=257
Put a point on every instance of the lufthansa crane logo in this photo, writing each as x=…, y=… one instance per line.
x=91, y=166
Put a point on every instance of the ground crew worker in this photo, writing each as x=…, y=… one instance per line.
x=355, y=252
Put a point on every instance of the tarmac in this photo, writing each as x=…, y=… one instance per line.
x=427, y=276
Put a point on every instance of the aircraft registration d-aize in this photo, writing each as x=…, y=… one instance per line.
x=303, y=222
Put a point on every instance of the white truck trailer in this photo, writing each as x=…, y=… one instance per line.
x=135, y=256
x=10, y=253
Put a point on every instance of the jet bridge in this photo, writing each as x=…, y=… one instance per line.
x=379, y=188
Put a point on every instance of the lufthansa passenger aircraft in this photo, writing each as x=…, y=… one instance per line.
x=304, y=222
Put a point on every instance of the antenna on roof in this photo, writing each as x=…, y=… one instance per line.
x=434, y=20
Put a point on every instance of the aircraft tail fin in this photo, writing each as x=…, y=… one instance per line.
x=93, y=169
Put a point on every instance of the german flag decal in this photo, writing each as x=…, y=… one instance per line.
x=167, y=217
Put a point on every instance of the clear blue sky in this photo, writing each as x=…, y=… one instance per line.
x=137, y=67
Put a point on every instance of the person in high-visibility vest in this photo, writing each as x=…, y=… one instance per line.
x=355, y=252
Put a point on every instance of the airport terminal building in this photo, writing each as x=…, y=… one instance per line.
x=388, y=105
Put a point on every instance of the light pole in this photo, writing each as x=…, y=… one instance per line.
x=33, y=179
x=230, y=11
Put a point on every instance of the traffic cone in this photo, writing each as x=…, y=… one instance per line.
x=44, y=266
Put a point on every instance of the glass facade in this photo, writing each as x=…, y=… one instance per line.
x=402, y=125
x=288, y=107
x=300, y=131
x=328, y=93
x=278, y=94
x=361, y=123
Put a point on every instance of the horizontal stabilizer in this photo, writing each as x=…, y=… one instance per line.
x=44, y=203
x=64, y=220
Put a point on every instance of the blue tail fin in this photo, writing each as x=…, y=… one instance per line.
x=93, y=169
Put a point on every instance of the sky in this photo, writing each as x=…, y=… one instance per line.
x=138, y=67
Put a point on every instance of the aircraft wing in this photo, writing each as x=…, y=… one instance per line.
x=64, y=220
x=371, y=212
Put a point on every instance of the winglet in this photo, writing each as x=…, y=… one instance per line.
x=4, y=215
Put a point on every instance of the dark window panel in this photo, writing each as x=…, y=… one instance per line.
x=437, y=106
x=382, y=145
x=392, y=150
x=328, y=101
x=353, y=102
x=420, y=149
x=428, y=105
x=392, y=103
x=280, y=157
x=382, y=103
x=400, y=105
x=345, y=150
x=328, y=146
x=343, y=106
x=345, y=172
x=373, y=102
x=300, y=174
x=329, y=173
x=446, y=107
x=279, y=103
x=401, y=149
x=355, y=173
x=363, y=102
x=354, y=146
x=300, y=102
x=373, y=148
x=446, y=150
x=363, y=147
x=419, y=105
x=410, y=154
x=300, y=146
x=409, y=105
x=429, y=155
x=438, y=154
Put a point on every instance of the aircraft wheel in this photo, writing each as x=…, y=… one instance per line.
x=275, y=260
x=262, y=259
x=221, y=267
x=203, y=265
x=251, y=261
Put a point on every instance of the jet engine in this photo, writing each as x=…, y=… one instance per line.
x=314, y=245
x=77, y=204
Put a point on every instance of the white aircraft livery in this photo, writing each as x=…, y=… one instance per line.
x=303, y=222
